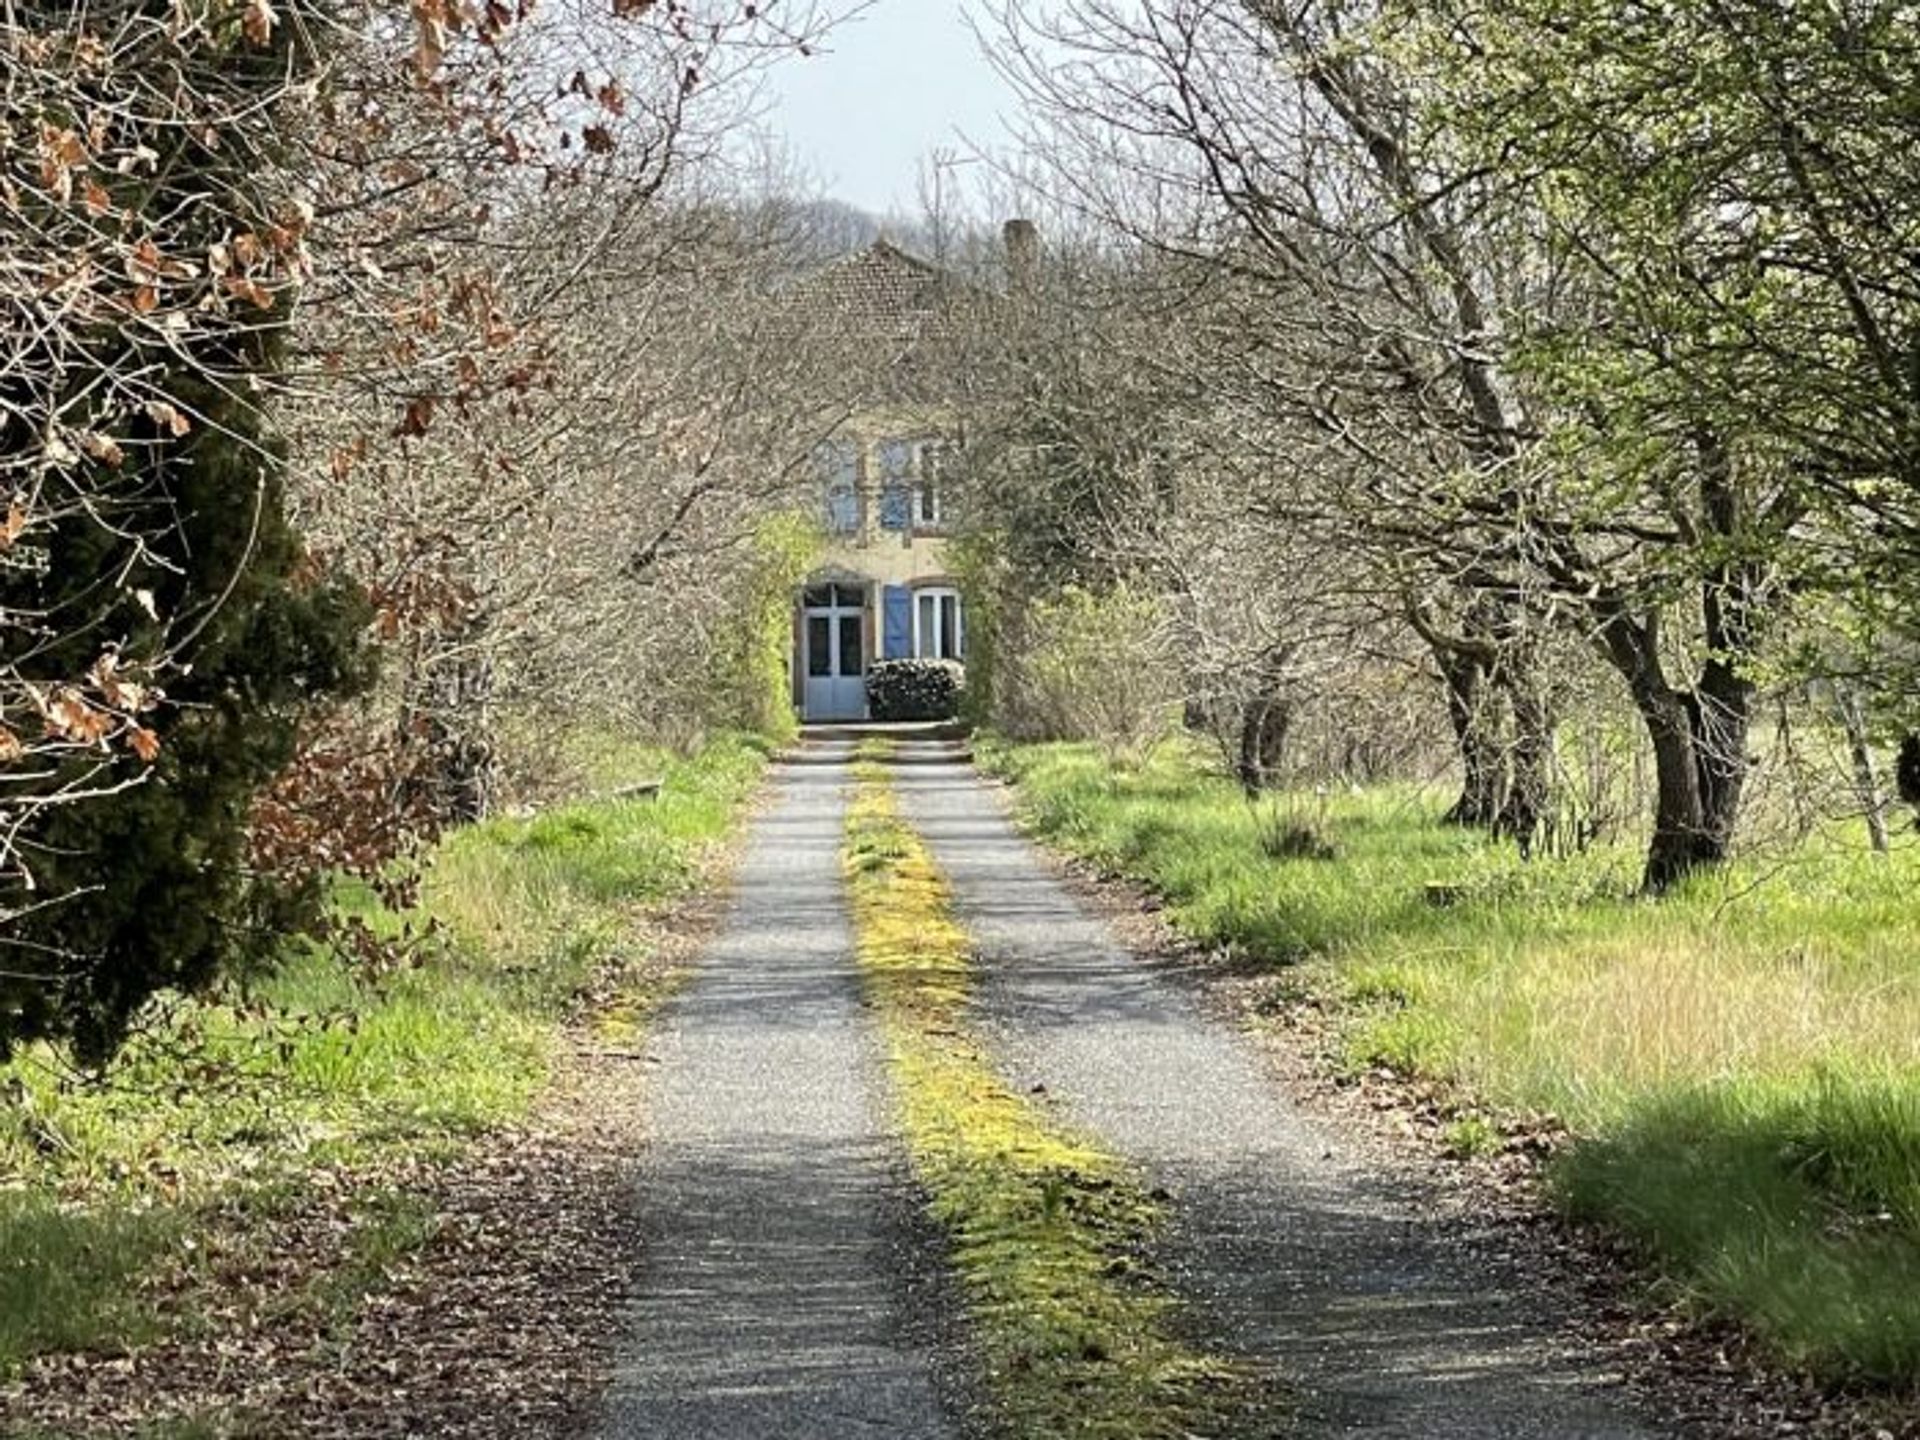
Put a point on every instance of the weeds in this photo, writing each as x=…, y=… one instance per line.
x=1286, y=830
x=1471, y=1136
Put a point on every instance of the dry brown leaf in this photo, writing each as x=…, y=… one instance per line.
x=430, y=39
x=71, y=718
x=250, y=290
x=103, y=448
x=162, y=413
x=418, y=419
x=258, y=21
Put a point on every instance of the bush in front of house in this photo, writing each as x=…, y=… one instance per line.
x=915, y=689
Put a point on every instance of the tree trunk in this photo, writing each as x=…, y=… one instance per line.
x=1866, y=782
x=1699, y=735
x=449, y=711
x=1529, y=799
x=1719, y=714
x=1682, y=839
x=1906, y=770
x=1682, y=842
x=1471, y=708
x=1264, y=723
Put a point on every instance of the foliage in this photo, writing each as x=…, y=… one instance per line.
x=166, y=625
x=748, y=687
x=915, y=689
x=350, y=264
x=1092, y=665
x=985, y=575
x=1752, y=1038
x=1739, y=180
x=1047, y=1232
x=1417, y=283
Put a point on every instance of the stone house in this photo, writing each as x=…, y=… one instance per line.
x=884, y=588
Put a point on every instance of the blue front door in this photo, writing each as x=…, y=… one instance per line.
x=835, y=653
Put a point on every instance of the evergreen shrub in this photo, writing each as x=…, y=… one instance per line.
x=915, y=689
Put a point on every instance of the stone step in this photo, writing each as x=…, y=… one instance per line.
x=810, y=751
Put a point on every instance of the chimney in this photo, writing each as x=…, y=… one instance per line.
x=1023, y=253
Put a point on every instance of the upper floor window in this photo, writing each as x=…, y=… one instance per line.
x=839, y=465
x=897, y=464
x=911, y=493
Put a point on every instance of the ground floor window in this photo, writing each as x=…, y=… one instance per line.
x=937, y=631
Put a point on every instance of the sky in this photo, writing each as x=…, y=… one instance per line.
x=892, y=85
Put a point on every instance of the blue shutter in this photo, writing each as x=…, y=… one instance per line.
x=897, y=613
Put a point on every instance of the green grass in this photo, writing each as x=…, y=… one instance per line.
x=1739, y=1063
x=326, y=1067
x=1794, y=1206
x=1050, y=1236
x=66, y=1272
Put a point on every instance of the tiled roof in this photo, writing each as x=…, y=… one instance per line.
x=880, y=291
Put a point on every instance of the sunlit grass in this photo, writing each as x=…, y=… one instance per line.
x=1780, y=998
x=323, y=1065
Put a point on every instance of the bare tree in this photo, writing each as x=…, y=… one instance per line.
x=1381, y=285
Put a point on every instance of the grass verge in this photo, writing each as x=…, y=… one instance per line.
x=223, y=1111
x=1051, y=1237
x=1739, y=1064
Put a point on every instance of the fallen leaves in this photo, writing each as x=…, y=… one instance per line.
x=491, y=1312
x=417, y=419
x=496, y=1320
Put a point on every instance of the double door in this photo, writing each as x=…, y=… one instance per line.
x=836, y=655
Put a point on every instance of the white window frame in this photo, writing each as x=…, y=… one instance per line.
x=927, y=485
x=925, y=517
x=937, y=593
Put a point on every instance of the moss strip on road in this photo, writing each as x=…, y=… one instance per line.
x=1052, y=1238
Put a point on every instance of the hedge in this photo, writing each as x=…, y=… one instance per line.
x=915, y=689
